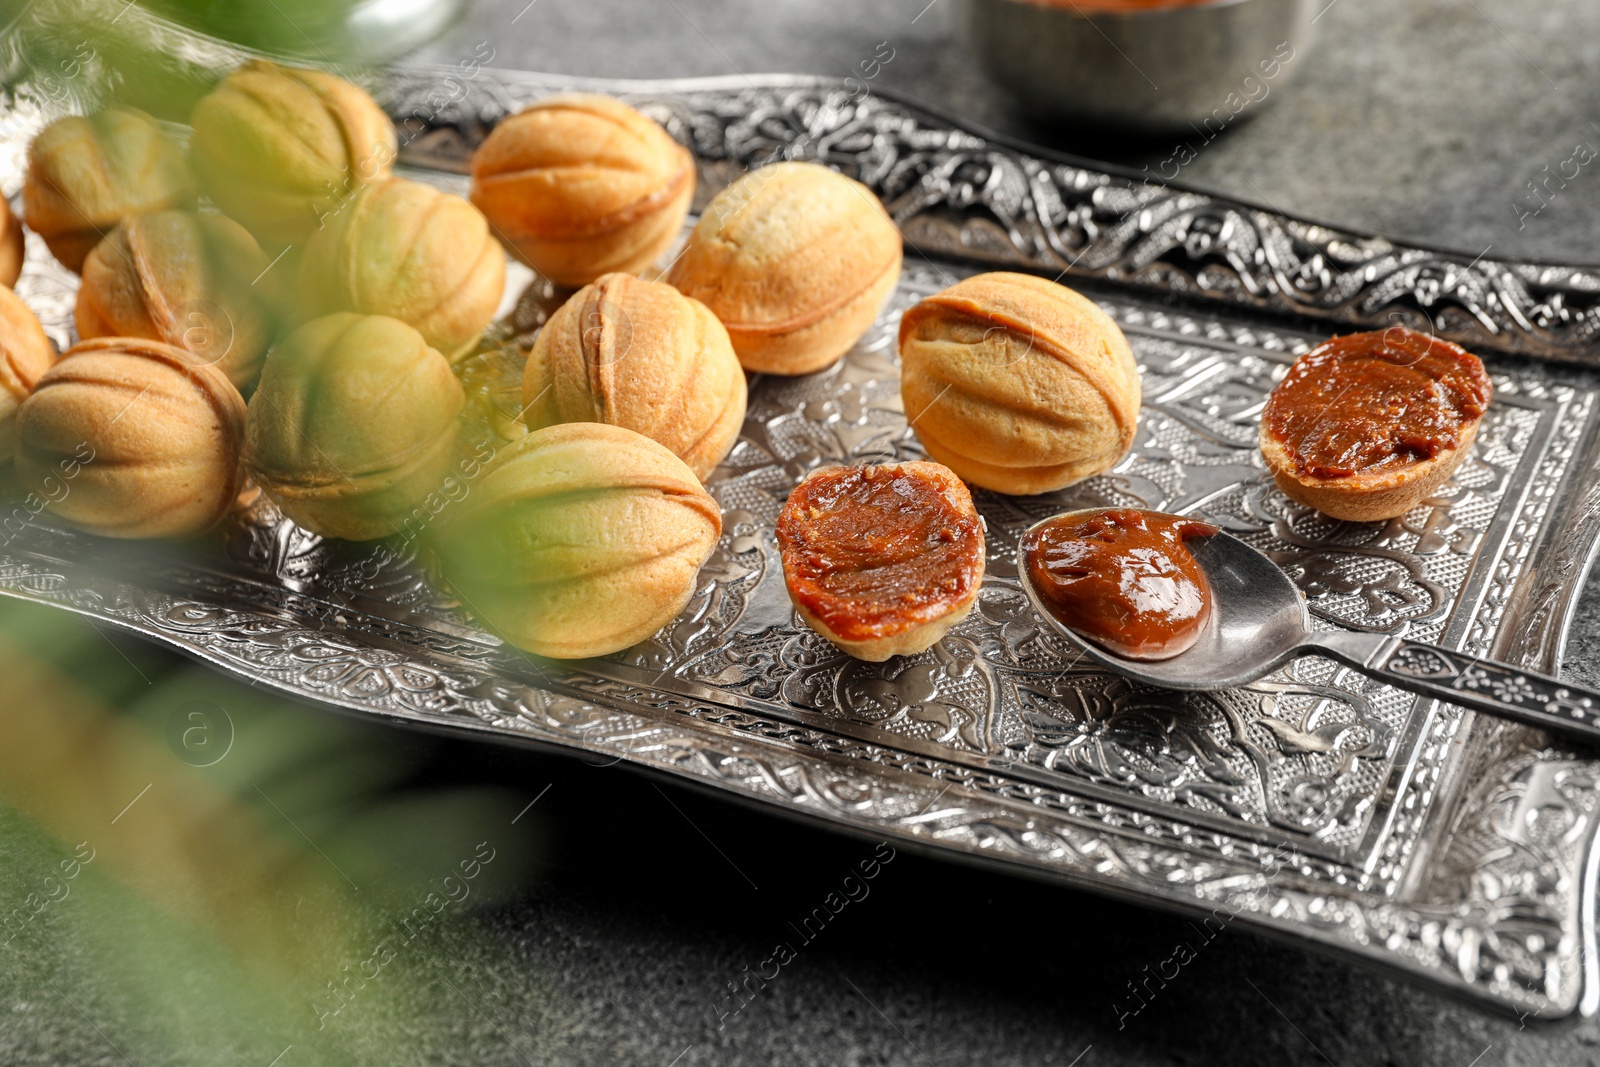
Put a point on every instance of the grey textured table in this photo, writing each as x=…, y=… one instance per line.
x=636, y=906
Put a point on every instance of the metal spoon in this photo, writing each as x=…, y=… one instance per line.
x=1259, y=622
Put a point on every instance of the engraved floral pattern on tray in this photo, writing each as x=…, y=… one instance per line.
x=1305, y=751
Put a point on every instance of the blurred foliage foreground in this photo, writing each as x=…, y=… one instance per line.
x=205, y=875
x=194, y=870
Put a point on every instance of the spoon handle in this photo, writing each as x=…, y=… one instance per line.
x=1480, y=684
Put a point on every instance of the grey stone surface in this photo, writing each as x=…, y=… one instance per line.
x=639, y=904
x=1422, y=119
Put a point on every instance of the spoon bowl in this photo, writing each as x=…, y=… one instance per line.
x=1258, y=618
x=1258, y=622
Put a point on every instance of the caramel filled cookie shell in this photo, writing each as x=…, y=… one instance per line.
x=882, y=559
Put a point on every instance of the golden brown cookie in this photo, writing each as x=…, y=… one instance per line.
x=582, y=185
x=13, y=245
x=183, y=278
x=282, y=150
x=353, y=423
x=86, y=173
x=127, y=437
x=1018, y=384
x=412, y=252
x=580, y=540
x=25, y=354
x=642, y=356
x=796, y=261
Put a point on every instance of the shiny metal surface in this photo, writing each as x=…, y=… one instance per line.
x=1457, y=849
x=1259, y=622
x=1190, y=70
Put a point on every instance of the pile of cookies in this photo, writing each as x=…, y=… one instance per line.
x=280, y=259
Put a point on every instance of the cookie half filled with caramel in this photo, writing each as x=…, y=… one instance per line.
x=1122, y=578
x=1365, y=427
x=882, y=559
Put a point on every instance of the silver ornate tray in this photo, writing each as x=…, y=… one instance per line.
x=1454, y=848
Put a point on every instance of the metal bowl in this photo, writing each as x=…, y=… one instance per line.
x=1154, y=70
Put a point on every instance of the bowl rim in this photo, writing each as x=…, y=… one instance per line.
x=1069, y=9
